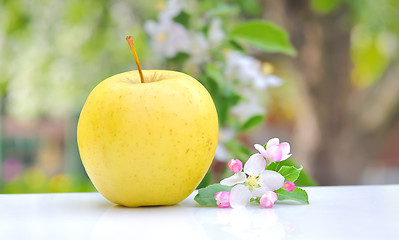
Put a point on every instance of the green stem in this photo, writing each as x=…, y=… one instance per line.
x=278, y=166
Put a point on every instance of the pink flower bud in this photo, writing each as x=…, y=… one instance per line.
x=235, y=165
x=268, y=199
x=289, y=186
x=222, y=199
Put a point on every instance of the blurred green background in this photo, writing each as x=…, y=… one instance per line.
x=338, y=104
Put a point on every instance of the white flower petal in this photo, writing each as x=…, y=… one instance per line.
x=285, y=148
x=222, y=154
x=258, y=192
x=151, y=28
x=199, y=47
x=255, y=165
x=273, y=80
x=260, y=82
x=286, y=157
x=261, y=149
x=272, y=142
x=172, y=9
x=235, y=179
x=226, y=134
x=239, y=196
x=246, y=109
x=242, y=67
x=272, y=180
x=216, y=33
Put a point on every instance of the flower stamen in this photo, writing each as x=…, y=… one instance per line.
x=253, y=182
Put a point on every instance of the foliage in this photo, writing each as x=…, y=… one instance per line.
x=48, y=70
x=215, y=42
x=303, y=179
x=53, y=54
x=374, y=35
x=251, y=181
x=205, y=196
x=264, y=35
x=297, y=194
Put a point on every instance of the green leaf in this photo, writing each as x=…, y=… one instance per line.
x=206, y=196
x=236, y=46
x=325, y=6
x=221, y=10
x=297, y=194
x=223, y=102
x=183, y=18
x=206, y=181
x=304, y=178
x=238, y=150
x=252, y=122
x=290, y=173
x=264, y=35
x=251, y=7
x=180, y=58
x=274, y=166
x=214, y=73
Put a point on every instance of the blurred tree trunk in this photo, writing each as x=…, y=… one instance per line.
x=323, y=44
x=342, y=129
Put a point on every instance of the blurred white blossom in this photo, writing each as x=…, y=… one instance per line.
x=222, y=154
x=168, y=37
x=198, y=50
x=248, y=70
x=216, y=33
x=172, y=9
x=249, y=106
x=122, y=14
x=240, y=73
x=252, y=83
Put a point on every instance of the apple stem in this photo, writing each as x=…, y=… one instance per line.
x=129, y=40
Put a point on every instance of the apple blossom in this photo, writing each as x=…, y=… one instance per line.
x=268, y=199
x=270, y=80
x=215, y=32
x=249, y=107
x=289, y=186
x=171, y=10
x=199, y=47
x=222, y=199
x=235, y=165
x=168, y=37
x=248, y=70
x=226, y=134
x=222, y=154
x=275, y=151
x=254, y=181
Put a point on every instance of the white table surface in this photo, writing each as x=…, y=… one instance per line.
x=347, y=212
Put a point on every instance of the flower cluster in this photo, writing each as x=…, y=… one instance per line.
x=186, y=36
x=168, y=37
x=253, y=181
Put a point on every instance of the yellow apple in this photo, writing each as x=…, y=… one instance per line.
x=147, y=143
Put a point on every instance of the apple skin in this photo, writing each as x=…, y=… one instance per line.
x=148, y=143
